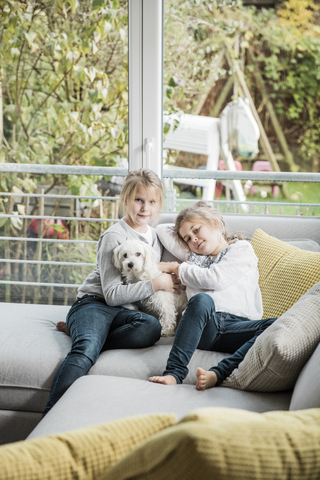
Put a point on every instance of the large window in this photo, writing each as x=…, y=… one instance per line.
x=91, y=89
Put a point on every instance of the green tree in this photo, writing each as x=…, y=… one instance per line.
x=286, y=49
x=65, y=83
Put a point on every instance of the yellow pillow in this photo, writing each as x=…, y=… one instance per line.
x=81, y=454
x=228, y=444
x=286, y=272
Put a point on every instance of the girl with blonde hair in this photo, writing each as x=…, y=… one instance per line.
x=224, y=310
x=104, y=315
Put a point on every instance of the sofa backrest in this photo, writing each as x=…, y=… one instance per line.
x=280, y=226
x=303, y=232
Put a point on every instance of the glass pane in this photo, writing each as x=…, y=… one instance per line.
x=191, y=52
x=215, y=52
x=64, y=101
x=64, y=82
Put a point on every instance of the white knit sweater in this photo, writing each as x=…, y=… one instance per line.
x=231, y=279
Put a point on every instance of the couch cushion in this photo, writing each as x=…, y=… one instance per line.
x=85, y=453
x=286, y=272
x=31, y=350
x=147, y=362
x=224, y=444
x=117, y=397
x=306, y=393
x=280, y=352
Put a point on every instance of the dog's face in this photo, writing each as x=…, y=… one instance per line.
x=133, y=257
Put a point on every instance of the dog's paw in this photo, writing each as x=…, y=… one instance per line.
x=168, y=330
x=167, y=333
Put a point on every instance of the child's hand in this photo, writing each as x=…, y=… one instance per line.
x=178, y=287
x=169, y=267
x=168, y=283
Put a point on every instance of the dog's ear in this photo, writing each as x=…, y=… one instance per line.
x=150, y=257
x=117, y=257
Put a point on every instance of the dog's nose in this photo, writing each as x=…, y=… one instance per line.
x=130, y=265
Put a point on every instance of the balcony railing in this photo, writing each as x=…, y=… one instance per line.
x=43, y=268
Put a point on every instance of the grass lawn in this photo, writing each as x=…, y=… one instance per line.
x=299, y=193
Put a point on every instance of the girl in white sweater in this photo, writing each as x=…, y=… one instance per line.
x=225, y=305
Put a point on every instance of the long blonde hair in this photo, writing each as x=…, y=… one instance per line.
x=203, y=213
x=136, y=179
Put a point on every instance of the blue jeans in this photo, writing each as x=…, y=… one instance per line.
x=94, y=327
x=204, y=328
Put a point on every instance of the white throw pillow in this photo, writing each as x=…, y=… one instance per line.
x=278, y=355
x=169, y=241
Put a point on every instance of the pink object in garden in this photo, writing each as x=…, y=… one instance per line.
x=48, y=229
x=264, y=166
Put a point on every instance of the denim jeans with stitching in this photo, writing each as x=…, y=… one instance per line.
x=94, y=327
x=204, y=328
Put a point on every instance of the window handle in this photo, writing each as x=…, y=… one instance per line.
x=149, y=148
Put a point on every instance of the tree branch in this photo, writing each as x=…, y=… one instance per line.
x=111, y=55
x=91, y=146
x=57, y=159
x=17, y=91
x=32, y=68
x=49, y=95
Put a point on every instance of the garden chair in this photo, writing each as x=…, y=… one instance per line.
x=200, y=134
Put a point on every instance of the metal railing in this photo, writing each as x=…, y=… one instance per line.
x=266, y=207
x=37, y=269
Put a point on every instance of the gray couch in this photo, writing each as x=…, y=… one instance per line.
x=31, y=349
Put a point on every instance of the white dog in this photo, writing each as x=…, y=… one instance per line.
x=138, y=261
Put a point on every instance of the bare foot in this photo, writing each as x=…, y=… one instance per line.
x=205, y=379
x=165, y=380
x=62, y=327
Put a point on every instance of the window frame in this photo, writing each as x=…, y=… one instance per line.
x=145, y=39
